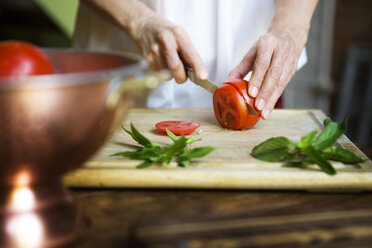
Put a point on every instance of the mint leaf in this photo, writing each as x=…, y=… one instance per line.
x=272, y=149
x=184, y=163
x=327, y=121
x=191, y=140
x=198, y=152
x=308, y=139
x=177, y=147
x=315, y=156
x=144, y=164
x=153, y=153
x=309, y=150
x=137, y=136
x=342, y=155
x=328, y=137
x=171, y=135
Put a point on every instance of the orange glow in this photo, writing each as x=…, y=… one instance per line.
x=22, y=179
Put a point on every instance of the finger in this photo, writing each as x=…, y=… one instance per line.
x=289, y=69
x=152, y=62
x=272, y=76
x=189, y=54
x=157, y=56
x=266, y=112
x=245, y=66
x=171, y=57
x=260, y=66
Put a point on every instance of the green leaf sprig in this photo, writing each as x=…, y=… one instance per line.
x=151, y=152
x=311, y=149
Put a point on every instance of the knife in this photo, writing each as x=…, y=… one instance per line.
x=210, y=86
x=206, y=84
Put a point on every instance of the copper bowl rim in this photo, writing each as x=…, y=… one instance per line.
x=68, y=79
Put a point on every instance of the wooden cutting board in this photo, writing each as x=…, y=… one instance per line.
x=230, y=166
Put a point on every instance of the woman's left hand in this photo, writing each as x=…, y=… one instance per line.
x=273, y=62
x=273, y=58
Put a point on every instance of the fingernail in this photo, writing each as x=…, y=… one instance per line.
x=181, y=81
x=253, y=91
x=260, y=105
x=266, y=114
x=203, y=75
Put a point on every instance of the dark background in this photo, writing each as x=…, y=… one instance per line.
x=25, y=20
x=353, y=29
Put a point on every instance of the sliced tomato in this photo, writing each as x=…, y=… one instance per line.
x=230, y=106
x=177, y=127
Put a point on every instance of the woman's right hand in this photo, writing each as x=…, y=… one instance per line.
x=166, y=46
x=163, y=44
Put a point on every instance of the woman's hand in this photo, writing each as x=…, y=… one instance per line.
x=273, y=62
x=273, y=58
x=167, y=46
x=163, y=44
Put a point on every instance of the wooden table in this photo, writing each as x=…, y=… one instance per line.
x=225, y=218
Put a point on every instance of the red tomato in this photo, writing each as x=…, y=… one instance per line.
x=177, y=127
x=230, y=105
x=18, y=58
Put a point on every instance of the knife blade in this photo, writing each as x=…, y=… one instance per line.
x=210, y=86
x=205, y=84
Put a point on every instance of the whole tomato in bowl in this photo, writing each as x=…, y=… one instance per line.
x=19, y=58
x=230, y=104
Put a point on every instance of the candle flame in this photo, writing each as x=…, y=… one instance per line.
x=26, y=231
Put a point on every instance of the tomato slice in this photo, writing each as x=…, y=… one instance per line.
x=227, y=105
x=242, y=86
x=177, y=127
x=230, y=105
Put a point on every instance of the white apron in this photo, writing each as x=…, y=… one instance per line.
x=221, y=30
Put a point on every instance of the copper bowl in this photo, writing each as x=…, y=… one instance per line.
x=51, y=124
